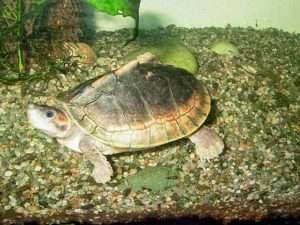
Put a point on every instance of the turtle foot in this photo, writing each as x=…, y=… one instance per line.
x=102, y=171
x=207, y=143
x=127, y=68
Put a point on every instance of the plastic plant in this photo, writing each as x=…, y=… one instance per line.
x=20, y=53
x=170, y=52
x=119, y=7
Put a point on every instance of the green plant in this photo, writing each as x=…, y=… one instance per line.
x=20, y=32
x=119, y=7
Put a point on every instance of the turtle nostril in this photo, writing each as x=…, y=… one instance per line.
x=31, y=109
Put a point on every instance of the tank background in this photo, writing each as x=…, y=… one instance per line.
x=194, y=13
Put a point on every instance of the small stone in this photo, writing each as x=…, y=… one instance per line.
x=38, y=168
x=80, y=51
x=8, y=173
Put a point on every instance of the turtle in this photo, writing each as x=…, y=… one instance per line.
x=142, y=105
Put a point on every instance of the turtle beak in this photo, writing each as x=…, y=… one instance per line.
x=30, y=108
x=32, y=112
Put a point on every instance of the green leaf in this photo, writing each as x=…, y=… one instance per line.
x=117, y=7
x=169, y=52
x=155, y=179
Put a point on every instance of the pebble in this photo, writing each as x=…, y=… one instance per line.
x=8, y=173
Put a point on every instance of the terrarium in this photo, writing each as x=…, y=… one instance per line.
x=129, y=110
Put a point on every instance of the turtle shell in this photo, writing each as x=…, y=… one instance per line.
x=150, y=105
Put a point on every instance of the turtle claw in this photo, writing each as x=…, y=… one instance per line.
x=207, y=143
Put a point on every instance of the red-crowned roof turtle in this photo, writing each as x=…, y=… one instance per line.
x=139, y=106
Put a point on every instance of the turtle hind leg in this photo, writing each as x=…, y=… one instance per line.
x=102, y=171
x=208, y=144
x=141, y=59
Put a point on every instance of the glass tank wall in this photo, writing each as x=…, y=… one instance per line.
x=181, y=108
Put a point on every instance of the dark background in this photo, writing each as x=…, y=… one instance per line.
x=196, y=221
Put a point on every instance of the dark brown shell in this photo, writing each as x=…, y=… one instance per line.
x=149, y=106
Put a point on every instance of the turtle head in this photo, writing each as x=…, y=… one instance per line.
x=52, y=121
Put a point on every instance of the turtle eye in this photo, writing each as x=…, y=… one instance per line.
x=49, y=114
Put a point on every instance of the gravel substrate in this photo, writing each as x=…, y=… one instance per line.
x=255, y=108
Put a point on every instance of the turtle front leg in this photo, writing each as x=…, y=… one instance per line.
x=92, y=150
x=207, y=143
